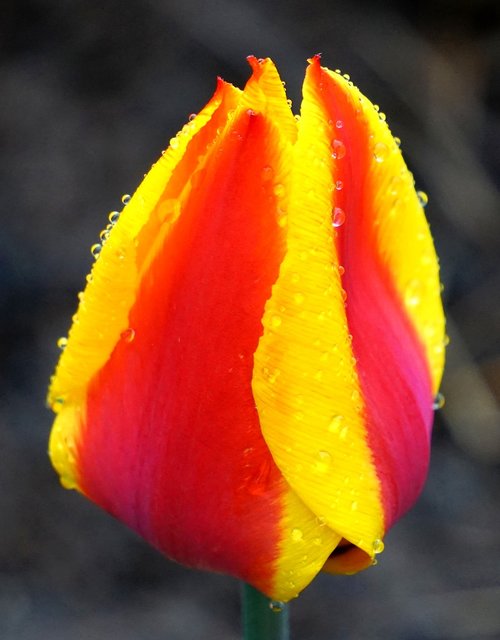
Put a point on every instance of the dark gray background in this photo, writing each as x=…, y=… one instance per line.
x=90, y=93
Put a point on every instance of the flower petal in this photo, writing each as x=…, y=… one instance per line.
x=104, y=306
x=162, y=430
x=394, y=308
x=346, y=410
x=305, y=383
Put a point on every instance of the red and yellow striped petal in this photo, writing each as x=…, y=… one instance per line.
x=348, y=363
x=225, y=388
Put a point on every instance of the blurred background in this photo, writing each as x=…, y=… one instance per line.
x=90, y=93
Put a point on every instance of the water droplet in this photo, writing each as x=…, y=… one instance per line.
x=339, y=185
x=376, y=107
x=397, y=141
x=338, y=71
x=276, y=606
x=338, y=149
x=192, y=116
x=95, y=250
x=378, y=546
x=339, y=124
x=297, y=117
x=423, y=198
x=283, y=220
x=267, y=173
x=336, y=423
x=343, y=294
x=62, y=342
x=297, y=535
x=446, y=340
x=382, y=116
x=343, y=432
x=438, y=402
x=103, y=236
x=347, y=76
x=413, y=293
x=113, y=217
x=289, y=103
x=128, y=335
x=174, y=143
x=341, y=270
x=338, y=218
x=279, y=190
x=275, y=321
x=395, y=185
x=325, y=457
x=380, y=151
x=126, y=198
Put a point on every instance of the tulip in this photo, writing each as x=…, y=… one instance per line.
x=248, y=382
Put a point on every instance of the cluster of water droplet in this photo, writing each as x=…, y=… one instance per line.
x=96, y=248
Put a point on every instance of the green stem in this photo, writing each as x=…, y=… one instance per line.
x=263, y=619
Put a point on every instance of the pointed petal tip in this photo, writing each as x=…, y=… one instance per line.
x=315, y=59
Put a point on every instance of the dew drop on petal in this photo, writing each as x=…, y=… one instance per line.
x=192, y=116
x=62, y=342
x=95, y=250
x=275, y=321
x=339, y=124
x=378, y=546
x=338, y=217
x=336, y=423
x=126, y=198
x=413, y=293
x=438, y=402
x=339, y=185
x=128, y=335
x=113, y=217
x=380, y=151
x=279, y=190
x=276, y=606
x=338, y=149
x=297, y=535
x=423, y=198
x=267, y=173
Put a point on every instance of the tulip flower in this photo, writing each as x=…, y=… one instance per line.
x=248, y=382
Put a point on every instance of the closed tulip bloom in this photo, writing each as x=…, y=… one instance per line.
x=248, y=382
